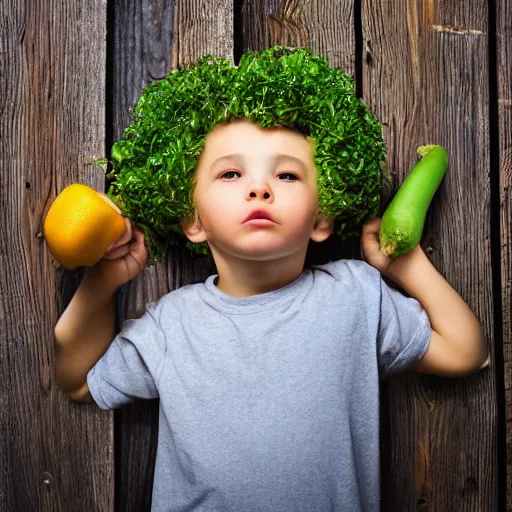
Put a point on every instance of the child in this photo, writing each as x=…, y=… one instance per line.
x=267, y=373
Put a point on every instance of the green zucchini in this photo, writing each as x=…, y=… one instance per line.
x=402, y=223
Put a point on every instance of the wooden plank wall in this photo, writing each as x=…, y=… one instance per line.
x=504, y=99
x=53, y=454
x=421, y=65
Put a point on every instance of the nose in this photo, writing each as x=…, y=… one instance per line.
x=259, y=190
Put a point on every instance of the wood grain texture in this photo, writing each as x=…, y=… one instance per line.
x=425, y=75
x=504, y=69
x=54, y=454
x=150, y=39
x=327, y=28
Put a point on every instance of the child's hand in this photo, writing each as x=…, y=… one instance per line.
x=125, y=258
x=370, y=244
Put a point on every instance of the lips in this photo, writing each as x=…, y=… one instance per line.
x=259, y=214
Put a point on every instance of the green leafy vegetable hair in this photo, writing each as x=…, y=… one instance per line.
x=153, y=165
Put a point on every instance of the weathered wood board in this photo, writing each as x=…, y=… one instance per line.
x=327, y=28
x=425, y=76
x=54, y=455
x=504, y=98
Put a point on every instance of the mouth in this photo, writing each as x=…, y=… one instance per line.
x=259, y=215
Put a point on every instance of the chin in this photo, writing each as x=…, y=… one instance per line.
x=260, y=251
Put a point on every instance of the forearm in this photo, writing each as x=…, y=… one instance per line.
x=449, y=315
x=84, y=331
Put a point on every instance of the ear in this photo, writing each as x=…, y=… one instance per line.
x=323, y=228
x=193, y=228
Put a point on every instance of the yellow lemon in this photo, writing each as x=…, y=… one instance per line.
x=80, y=225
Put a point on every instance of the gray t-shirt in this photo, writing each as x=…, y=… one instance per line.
x=271, y=402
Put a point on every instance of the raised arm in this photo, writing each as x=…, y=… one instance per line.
x=83, y=333
x=87, y=327
x=457, y=345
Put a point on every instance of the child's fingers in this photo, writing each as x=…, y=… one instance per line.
x=370, y=232
x=118, y=252
x=124, y=238
x=138, y=247
x=371, y=250
x=372, y=226
x=370, y=243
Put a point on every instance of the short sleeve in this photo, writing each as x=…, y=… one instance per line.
x=131, y=366
x=404, y=331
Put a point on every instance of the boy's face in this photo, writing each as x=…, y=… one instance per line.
x=244, y=168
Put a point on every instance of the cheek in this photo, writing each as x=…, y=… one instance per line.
x=216, y=207
x=304, y=204
x=222, y=204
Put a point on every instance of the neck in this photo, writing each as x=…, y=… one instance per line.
x=244, y=278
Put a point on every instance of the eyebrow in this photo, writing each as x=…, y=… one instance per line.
x=275, y=158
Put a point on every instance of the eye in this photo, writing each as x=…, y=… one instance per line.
x=288, y=176
x=229, y=174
